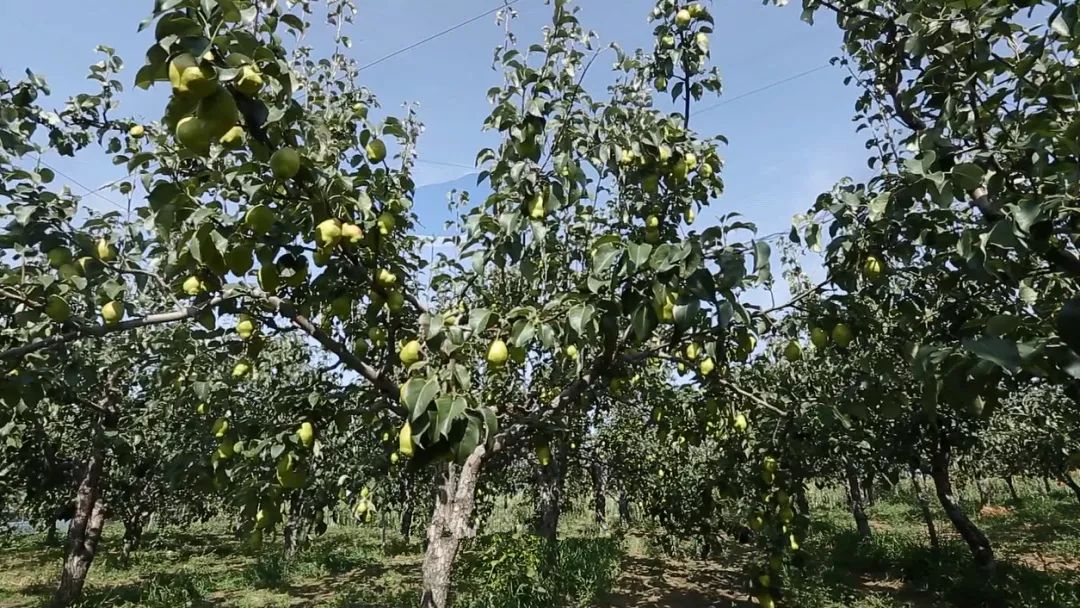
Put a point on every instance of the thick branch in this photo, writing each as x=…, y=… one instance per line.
x=343, y=353
x=160, y=318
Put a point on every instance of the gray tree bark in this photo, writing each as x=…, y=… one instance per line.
x=855, y=498
x=978, y=544
x=83, y=534
x=924, y=508
x=455, y=500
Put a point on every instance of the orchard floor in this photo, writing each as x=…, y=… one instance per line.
x=1037, y=541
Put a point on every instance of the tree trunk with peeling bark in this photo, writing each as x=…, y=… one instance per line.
x=978, y=544
x=1012, y=488
x=924, y=509
x=855, y=499
x=83, y=534
x=1071, y=483
x=549, y=490
x=455, y=500
x=599, y=483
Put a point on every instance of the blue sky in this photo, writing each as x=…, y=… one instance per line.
x=788, y=142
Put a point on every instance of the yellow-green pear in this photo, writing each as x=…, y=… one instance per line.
x=220, y=427
x=233, y=138
x=245, y=326
x=571, y=352
x=706, y=366
x=193, y=134
x=696, y=10
x=341, y=307
x=692, y=351
x=765, y=600
x=405, y=440
x=57, y=308
x=376, y=150
x=395, y=301
x=285, y=163
x=385, y=278
x=543, y=454
x=328, y=233
x=386, y=223
x=819, y=337
x=841, y=334
x=306, y=433
x=351, y=233
x=740, y=422
x=536, y=205
x=410, y=353
x=497, y=353
x=112, y=312
x=225, y=450
x=683, y=18
x=250, y=80
x=873, y=268
x=136, y=131
x=793, y=352
x=193, y=286
x=702, y=40
x=260, y=219
x=321, y=257
x=104, y=250
x=190, y=78
x=241, y=369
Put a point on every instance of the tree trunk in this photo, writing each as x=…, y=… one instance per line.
x=868, y=490
x=1069, y=481
x=862, y=524
x=455, y=500
x=1012, y=488
x=405, y=499
x=984, y=490
x=133, y=529
x=624, y=506
x=83, y=534
x=294, y=537
x=924, y=508
x=51, y=540
x=977, y=542
x=597, y=473
x=549, y=488
x=1046, y=485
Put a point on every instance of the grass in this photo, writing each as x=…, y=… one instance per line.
x=1037, y=540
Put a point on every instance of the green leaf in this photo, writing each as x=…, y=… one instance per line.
x=522, y=332
x=419, y=392
x=639, y=254
x=643, y=321
x=579, y=317
x=448, y=409
x=1000, y=351
x=479, y=320
x=968, y=176
x=605, y=255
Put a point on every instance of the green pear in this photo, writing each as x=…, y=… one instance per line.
x=497, y=353
x=57, y=308
x=410, y=353
x=376, y=151
x=112, y=312
x=193, y=134
x=285, y=163
x=260, y=219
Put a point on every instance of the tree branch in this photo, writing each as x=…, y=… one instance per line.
x=346, y=356
x=87, y=331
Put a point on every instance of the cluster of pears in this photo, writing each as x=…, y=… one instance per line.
x=364, y=509
x=56, y=306
x=841, y=335
x=706, y=365
x=211, y=112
